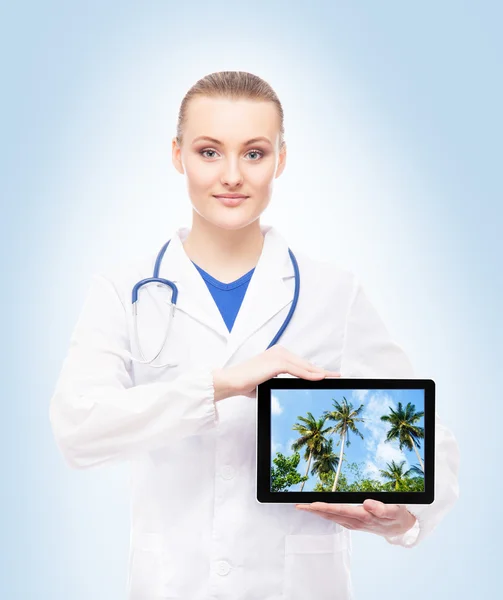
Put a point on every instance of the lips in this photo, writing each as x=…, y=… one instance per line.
x=231, y=200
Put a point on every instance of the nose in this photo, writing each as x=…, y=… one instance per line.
x=231, y=173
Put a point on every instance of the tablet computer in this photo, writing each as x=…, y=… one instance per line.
x=344, y=440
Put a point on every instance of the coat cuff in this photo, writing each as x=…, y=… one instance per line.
x=410, y=537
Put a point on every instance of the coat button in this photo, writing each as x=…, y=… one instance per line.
x=223, y=567
x=227, y=472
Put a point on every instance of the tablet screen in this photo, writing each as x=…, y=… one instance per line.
x=347, y=440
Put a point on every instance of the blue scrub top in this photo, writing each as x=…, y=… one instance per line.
x=228, y=296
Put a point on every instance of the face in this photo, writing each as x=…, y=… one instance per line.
x=229, y=163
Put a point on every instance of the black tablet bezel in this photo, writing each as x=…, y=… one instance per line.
x=264, y=495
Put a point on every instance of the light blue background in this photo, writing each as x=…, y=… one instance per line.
x=394, y=131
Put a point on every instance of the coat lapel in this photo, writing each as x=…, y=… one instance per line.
x=267, y=291
x=194, y=298
x=266, y=295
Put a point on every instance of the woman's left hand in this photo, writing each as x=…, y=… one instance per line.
x=373, y=516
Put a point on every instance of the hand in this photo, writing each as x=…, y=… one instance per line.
x=373, y=516
x=242, y=379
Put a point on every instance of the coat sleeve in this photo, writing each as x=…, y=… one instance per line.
x=369, y=351
x=96, y=413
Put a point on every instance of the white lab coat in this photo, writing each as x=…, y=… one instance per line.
x=198, y=531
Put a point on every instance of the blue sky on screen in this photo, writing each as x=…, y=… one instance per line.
x=372, y=453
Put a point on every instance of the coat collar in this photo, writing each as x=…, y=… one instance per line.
x=266, y=295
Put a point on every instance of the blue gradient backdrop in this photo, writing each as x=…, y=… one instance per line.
x=394, y=128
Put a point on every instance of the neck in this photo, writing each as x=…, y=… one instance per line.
x=223, y=253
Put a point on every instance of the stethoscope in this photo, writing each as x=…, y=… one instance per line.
x=174, y=297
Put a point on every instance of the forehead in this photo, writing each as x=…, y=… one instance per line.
x=231, y=120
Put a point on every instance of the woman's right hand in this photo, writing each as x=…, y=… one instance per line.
x=242, y=379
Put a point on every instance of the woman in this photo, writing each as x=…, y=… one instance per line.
x=188, y=427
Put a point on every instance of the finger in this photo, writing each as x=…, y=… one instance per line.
x=294, y=359
x=306, y=373
x=342, y=510
x=326, y=372
x=352, y=524
x=370, y=522
x=381, y=510
x=307, y=370
x=298, y=361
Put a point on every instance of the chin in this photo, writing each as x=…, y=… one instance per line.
x=231, y=219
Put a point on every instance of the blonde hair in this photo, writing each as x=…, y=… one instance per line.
x=230, y=84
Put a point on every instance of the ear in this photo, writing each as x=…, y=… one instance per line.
x=282, y=161
x=176, y=156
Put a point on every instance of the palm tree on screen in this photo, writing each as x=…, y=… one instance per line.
x=403, y=428
x=416, y=469
x=326, y=461
x=345, y=418
x=312, y=438
x=395, y=474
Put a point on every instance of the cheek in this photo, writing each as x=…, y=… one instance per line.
x=261, y=178
x=199, y=175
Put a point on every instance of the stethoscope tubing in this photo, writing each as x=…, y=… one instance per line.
x=174, y=298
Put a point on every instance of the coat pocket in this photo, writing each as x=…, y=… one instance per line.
x=317, y=566
x=148, y=568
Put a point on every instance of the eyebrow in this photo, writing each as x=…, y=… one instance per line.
x=214, y=141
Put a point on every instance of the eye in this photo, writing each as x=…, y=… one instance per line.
x=256, y=152
x=206, y=150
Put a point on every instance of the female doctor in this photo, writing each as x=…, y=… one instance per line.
x=186, y=420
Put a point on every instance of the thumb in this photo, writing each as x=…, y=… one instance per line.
x=373, y=506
